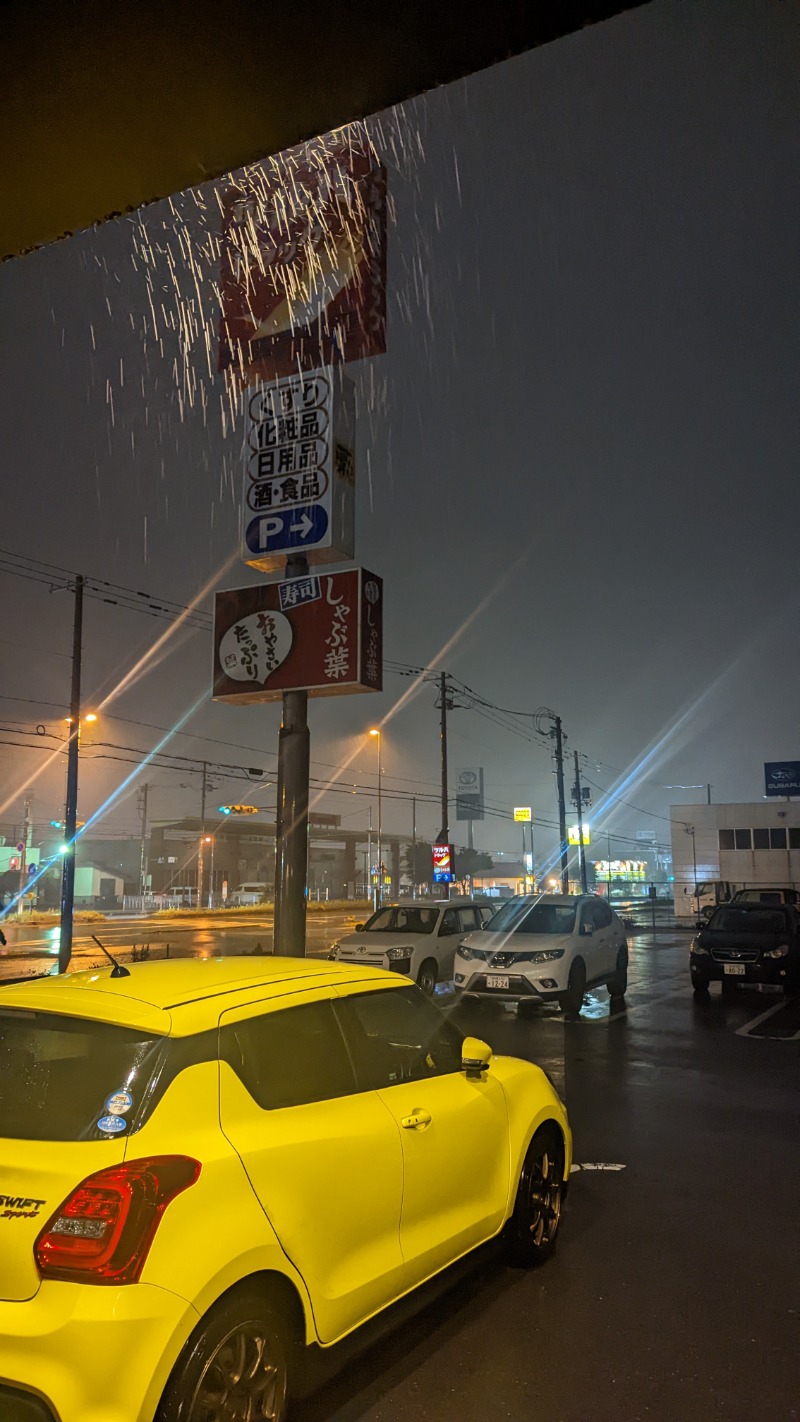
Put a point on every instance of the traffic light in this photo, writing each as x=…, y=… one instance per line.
x=237, y=809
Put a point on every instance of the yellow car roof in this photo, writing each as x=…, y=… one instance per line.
x=180, y=995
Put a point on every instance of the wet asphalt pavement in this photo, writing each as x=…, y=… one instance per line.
x=674, y=1294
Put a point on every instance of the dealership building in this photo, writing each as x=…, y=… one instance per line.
x=741, y=845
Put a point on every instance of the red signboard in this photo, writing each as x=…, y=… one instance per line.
x=303, y=262
x=442, y=863
x=322, y=634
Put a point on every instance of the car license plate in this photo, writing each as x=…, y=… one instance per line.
x=737, y=968
x=493, y=981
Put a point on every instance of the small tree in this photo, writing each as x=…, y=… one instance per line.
x=469, y=862
x=418, y=863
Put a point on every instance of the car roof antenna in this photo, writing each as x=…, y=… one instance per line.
x=117, y=971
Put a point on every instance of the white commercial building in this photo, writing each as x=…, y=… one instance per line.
x=717, y=847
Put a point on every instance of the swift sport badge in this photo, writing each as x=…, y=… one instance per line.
x=18, y=1207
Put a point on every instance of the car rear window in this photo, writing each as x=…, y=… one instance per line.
x=58, y=1076
x=522, y=917
x=402, y=920
x=748, y=920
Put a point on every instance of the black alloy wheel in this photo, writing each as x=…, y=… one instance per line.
x=533, y=1227
x=234, y=1367
x=618, y=985
x=572, y=999
x=427, y=976
x=700, y=984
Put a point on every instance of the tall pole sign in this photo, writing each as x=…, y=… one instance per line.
x=303, y=290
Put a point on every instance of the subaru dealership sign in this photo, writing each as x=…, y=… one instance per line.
x=782, y=778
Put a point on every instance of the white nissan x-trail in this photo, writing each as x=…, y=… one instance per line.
x=545, y=948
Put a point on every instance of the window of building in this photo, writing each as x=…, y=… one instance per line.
x=761, y=839
x=397, y=1036
x=794, y=838
x=290, y=1057
x=741, y=839
x=777, y=838
x=726, y=840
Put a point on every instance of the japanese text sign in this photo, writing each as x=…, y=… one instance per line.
x=303, y=260
x=320, y=634
x=299, y=471
x=442, y=863
x=522, y=814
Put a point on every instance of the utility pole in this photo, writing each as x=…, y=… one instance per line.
x=23, y=855
x=413, y=842
x=444, y=836
x=71, y=805
x=369, y=857
x=143, y=849
x=291, y=838
x=444, y=833
x=579, y=804
x=558, y=733
x=200, y=853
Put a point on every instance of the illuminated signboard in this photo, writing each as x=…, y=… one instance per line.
x=620, y=869
x=442, y=863
x=320, y=633
x=573, y=834
x=522, y=814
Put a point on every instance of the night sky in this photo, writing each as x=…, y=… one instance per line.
x=576, y=462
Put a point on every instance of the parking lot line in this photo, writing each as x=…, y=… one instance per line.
x=749, y=1027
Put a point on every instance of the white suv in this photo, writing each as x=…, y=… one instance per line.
x=417, y=937
x=551, y=947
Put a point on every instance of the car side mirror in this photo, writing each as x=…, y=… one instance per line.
x=587, y=929
x=475, y=1057
x=359, y=928
x=446, y=929
x=2, y=938
x=702, y=923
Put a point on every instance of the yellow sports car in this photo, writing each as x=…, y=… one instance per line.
x=207, y=1165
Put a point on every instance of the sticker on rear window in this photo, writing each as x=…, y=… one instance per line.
x=119, y=1102
x=111, y=1125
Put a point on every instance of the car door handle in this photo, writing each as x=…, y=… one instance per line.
x=417, y=1121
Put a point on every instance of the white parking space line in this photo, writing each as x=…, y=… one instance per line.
x=595, y=1165
x=763, y=1017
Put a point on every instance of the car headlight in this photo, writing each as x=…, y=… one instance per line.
x=545, y=955
x=696, y=948
x=335, y=951
x=465, y=953
x=780, y=952
x=396, y=954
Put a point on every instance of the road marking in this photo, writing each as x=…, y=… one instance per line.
x=763, y=1017
x=595, y=1165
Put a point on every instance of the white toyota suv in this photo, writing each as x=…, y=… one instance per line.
x=417, y=937
x=545, y=948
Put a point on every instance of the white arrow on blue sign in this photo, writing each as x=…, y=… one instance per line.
x=301, y=527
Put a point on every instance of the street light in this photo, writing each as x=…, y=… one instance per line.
x=375, y=731
x=204, y=840
x=74, y=721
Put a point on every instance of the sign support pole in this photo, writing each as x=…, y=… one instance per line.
x=444, y=837
x=581, y=847
x=291, y=831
